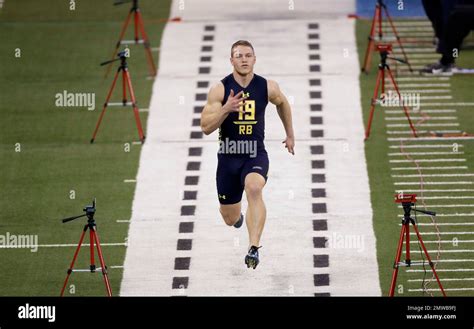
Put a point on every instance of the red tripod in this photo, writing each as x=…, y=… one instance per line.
x=384, y=50
x=126, y=82
x=94, y=238
x=407, y=201
x=377, y=21
x=139, y=28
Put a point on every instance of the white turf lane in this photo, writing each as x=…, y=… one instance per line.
x=217, y=253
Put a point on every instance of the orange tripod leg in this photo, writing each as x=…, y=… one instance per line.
x=374, y=99
x=105, y=106
x=102, y=262
x=135, y=108
x=122, y=33
x=398, y=39
x=370, y=46
x=397, y=261
x=429, y=260
x=69, y=271
x=146, y=43
x=412, y=127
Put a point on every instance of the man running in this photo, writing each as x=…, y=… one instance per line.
x=236, y=105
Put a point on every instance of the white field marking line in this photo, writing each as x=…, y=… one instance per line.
x=424, y=111
x=443, y=233
x=405, y=132
x=430, y=168
x=445, y=224
x=448, y=104
x=123, y=221
x=424, y=153
x=419, y=85
x=67, y=245
x=404, y=118
x=443, y=241
x=441, y=124
x=435, y=183
x=447, y=251
x=424, y=23
x=449, y=206
x=129, y=180
x=444, y=280
x=414, y=50
x=423, y=91
x=436, y=97
x=143, y=110
x=445, y=270
x=415, y=146
x=428, y=56
x=436, y=190
x=444, y=261
x=429, y=139
x=445, y=289
x=414, y=78
x=444, y=215
x=429, y=160
x=435, y=175
x=446, y=197
x=137, y=143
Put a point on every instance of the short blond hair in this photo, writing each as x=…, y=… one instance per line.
x=240, y=43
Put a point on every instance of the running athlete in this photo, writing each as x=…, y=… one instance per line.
x=236, y=105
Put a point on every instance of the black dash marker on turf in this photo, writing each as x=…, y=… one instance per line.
x=316, y=120
x=201, y=97
x=195, y=151
x=318, y=178
x=317, y=164
x=180, y=282
x=320, y=225
x=202, y=84
x=188, y=210
x=195, y=135
x=313, y=46
x=193, y=165
x=182, y=263
x=319, y=242
x=314, y=57
x=319, y=208
x=198, y=109
x=313, y=26
x=186, y=227
x=184, y=244
x=315, y=82
x=191, y=180
x=318, y=193
x=209, y=28
x=321, y=280
x=206, y=48
x=205, y=58
x=321, y=260
x=204, y=70
x=317, y=149
x=208, y=38
x=317, y=133
x=196, y=122
x=314, y=94
x=315, y=107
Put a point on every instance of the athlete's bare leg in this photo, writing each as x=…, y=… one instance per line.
x=256, y=212
x=230, y=213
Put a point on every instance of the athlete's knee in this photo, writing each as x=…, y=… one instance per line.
x=253, y=189
x=230, y=216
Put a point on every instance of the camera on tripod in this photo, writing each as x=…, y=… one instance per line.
x=405, y=198
x=384, y=47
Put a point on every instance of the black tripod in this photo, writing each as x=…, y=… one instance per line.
x=408, y=201
x=94, y=238
x=126, y=82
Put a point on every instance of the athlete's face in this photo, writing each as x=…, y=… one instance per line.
x=243, y=60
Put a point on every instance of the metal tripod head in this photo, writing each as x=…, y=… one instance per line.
x=89, y=212
x=385, y=49
x=121, y=2
x=408, y=202
x=122, y=57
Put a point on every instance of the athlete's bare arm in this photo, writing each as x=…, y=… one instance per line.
x=214, y=113
x=276, y=97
